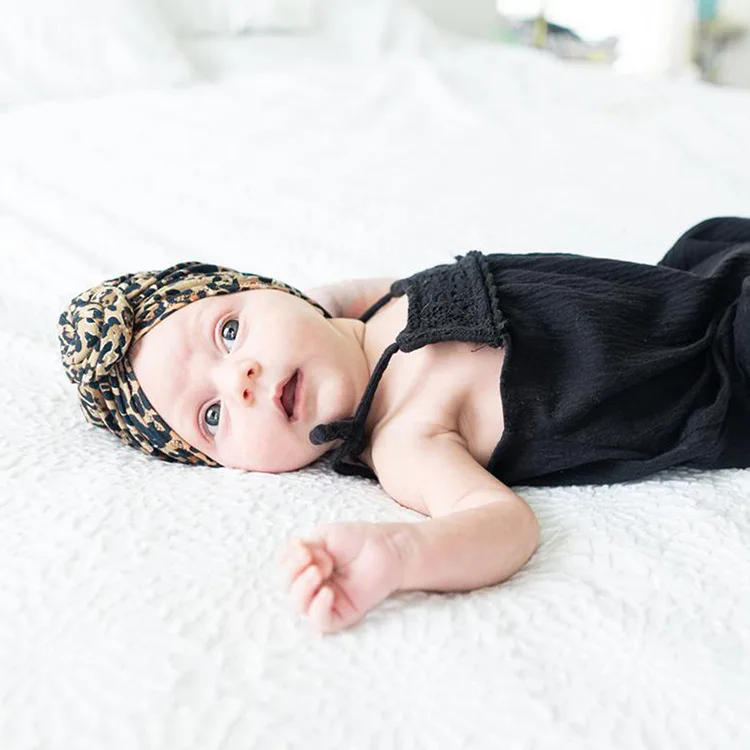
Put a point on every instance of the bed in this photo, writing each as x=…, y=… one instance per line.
x=140, y=602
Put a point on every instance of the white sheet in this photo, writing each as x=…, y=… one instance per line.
x=140, y=605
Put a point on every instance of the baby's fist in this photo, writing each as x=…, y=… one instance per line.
x=342, y=571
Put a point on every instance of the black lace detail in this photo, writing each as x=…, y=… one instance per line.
x=452, y=302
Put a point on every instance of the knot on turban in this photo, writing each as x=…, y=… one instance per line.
x=95, y=333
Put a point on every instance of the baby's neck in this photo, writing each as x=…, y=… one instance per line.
x=373, y=338
x=359, y=364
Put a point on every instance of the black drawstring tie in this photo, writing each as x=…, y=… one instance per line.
x=352, y=430
x=326, y=433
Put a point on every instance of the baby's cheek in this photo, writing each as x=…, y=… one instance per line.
x=271, y=452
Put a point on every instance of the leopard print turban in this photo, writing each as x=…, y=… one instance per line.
x=99, y=326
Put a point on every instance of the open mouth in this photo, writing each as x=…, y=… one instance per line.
x=289, y=395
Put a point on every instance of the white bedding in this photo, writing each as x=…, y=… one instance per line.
x=140, y=604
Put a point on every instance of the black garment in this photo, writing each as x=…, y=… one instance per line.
x=613, y=371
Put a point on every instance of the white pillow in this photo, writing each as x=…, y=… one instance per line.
x=62, y=48
x=233, y=16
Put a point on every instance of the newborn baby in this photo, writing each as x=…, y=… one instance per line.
x=457, y=382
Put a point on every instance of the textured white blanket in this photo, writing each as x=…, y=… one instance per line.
x=140, y=604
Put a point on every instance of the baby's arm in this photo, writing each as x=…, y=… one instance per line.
x=349, y=299
x=480, y=533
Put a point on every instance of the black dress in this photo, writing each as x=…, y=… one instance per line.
x=614, y=370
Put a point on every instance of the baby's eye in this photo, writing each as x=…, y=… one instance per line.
x=211, y=418
x=229, y=333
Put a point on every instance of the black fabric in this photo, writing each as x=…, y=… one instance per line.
x=613, y=370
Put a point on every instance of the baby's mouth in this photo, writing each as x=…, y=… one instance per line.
x=288, y=395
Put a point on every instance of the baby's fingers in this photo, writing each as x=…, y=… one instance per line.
x=299, y=553
x=331, y=609
x=321, y=612
x=294, y=559
x=305, y=587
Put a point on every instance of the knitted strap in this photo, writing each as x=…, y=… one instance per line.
x=367, y=314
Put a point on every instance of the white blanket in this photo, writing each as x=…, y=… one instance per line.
x=140, y=602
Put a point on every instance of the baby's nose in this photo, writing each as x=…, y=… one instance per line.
x=246, y=394
x=249, y=382
x=242, y=381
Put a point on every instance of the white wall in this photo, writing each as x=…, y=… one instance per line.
x=735, y=10
x=471, y=17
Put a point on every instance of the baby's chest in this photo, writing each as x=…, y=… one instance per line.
x=445, y=387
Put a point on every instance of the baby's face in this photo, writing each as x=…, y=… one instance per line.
x=224, y=372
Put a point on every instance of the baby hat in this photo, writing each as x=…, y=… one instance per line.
x=99, y=326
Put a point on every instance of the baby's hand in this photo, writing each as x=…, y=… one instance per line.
x=342, y=572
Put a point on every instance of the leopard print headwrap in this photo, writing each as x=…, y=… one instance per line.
x=99, y=326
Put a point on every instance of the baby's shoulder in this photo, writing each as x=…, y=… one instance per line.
x=399, y=454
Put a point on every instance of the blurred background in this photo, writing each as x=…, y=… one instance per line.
x=679, y=37
x=46, y=51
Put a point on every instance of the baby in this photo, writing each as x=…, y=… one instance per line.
x=448, y=387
